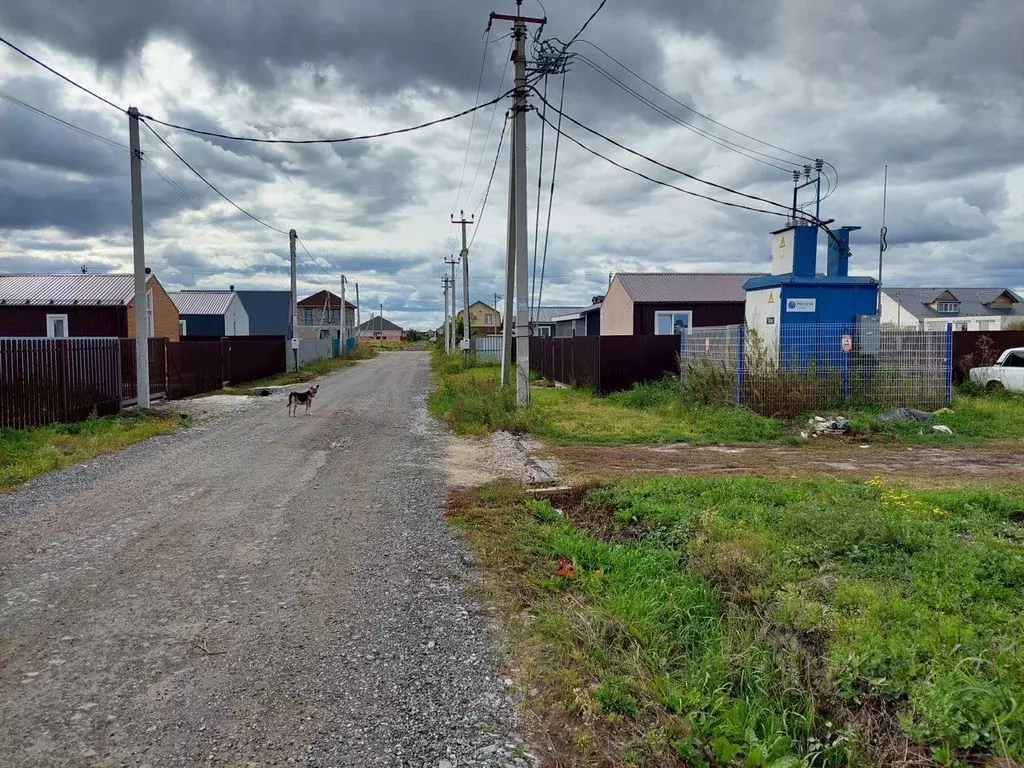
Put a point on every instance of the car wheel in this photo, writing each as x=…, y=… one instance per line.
x=995, y=386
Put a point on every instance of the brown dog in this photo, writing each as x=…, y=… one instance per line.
x=297, y=398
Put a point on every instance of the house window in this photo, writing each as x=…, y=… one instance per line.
x=57, y=326
x=488, y=319
x=948, y=306
x=149, y=312
x=335, y=316
x=324, y=334
x=544, y=330
x=307, y=317
x=669, y=323
x=181, y=328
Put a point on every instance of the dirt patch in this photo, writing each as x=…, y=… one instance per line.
x=474, y=461
x=584, y=465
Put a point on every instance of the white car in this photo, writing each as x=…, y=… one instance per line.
x=1007, y=373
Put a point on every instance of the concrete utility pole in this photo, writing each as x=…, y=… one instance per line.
x=464, y=254
x=510, y=271
x=292, y=237
x=358, y=323
x=450, y=330
x=381, y=323
x=522, y=265
x=444, y=328
x=344, y=317
x=139, y=250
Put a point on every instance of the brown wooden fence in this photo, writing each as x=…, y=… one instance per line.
x=63, y=380
x=975, y=348
x=606, y=363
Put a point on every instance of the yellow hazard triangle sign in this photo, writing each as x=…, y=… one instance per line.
x=771, y=298
x=782, y=242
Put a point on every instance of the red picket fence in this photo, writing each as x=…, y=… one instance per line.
x=63, y=380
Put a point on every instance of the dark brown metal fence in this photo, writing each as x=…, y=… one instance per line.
x=64, y=380
x=605, y=363
x=975, y=348
x=47, y=380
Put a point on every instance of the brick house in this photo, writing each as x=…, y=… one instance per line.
x=320, y=316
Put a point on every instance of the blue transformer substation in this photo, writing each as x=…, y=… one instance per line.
x=805, y=318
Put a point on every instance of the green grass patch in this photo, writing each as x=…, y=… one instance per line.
x=639, y=660
x=471, y=401
x=917, y=597
x=25, y=453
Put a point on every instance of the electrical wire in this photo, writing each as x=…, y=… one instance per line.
x=585, y=25
x=209, y=183
x=536, y=226
x=551, y=195
x=314, y=260
x=340, y=140
x=752, y=154
x=694, y=111
x=665, y=183
x=483, y=206
x=63, y=77
x=651, y=160
x=490, y=124
x=53, y=118
x=472, y=124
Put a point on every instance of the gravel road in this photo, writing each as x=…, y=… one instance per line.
x=257, y=590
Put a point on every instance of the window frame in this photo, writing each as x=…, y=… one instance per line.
x=182, y=327
x=671, y=313
x=49, y=326
x=544, y=331
x=947, y=307
x=150, y=314
x=307, y=316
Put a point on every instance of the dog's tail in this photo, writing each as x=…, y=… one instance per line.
x=291, y=396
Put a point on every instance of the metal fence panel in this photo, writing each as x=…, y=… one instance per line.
x=817, y=365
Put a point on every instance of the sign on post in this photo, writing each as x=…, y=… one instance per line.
x=847, y=343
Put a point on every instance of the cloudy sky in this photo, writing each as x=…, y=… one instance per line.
x=930, y=87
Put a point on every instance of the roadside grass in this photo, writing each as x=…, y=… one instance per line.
x=307, y=372
x=25, y=453
x=471, y=401
x=744, y=621
x=624, y=658
x=916, y=596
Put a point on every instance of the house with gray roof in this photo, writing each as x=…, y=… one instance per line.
x=664, y=303
x=211, y=313
x=966, y=309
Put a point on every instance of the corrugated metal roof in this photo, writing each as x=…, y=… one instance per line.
x=109, y=289
x=202, y=302
x=684, y=287
x=972, y=301
x=548, y=314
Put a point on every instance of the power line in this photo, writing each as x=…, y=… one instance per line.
x=314, y=260
x=340, y=140
x=487, y=191
x=691, y=109
x=753, y=154
x=585, y=25
x=490, y=124
x=657, y=163
x=65, y=123
x=210, y=184
x=665, y=183
x=551, y=194
x=536, y=226
x=472, y=125
x=67, y=79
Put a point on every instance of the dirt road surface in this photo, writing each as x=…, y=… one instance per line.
x=257, y=590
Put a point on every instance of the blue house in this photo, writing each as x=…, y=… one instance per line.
x=270, y=312
x=211, y=313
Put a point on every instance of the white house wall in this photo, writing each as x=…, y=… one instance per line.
x=236, y=319
x=895, y=314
